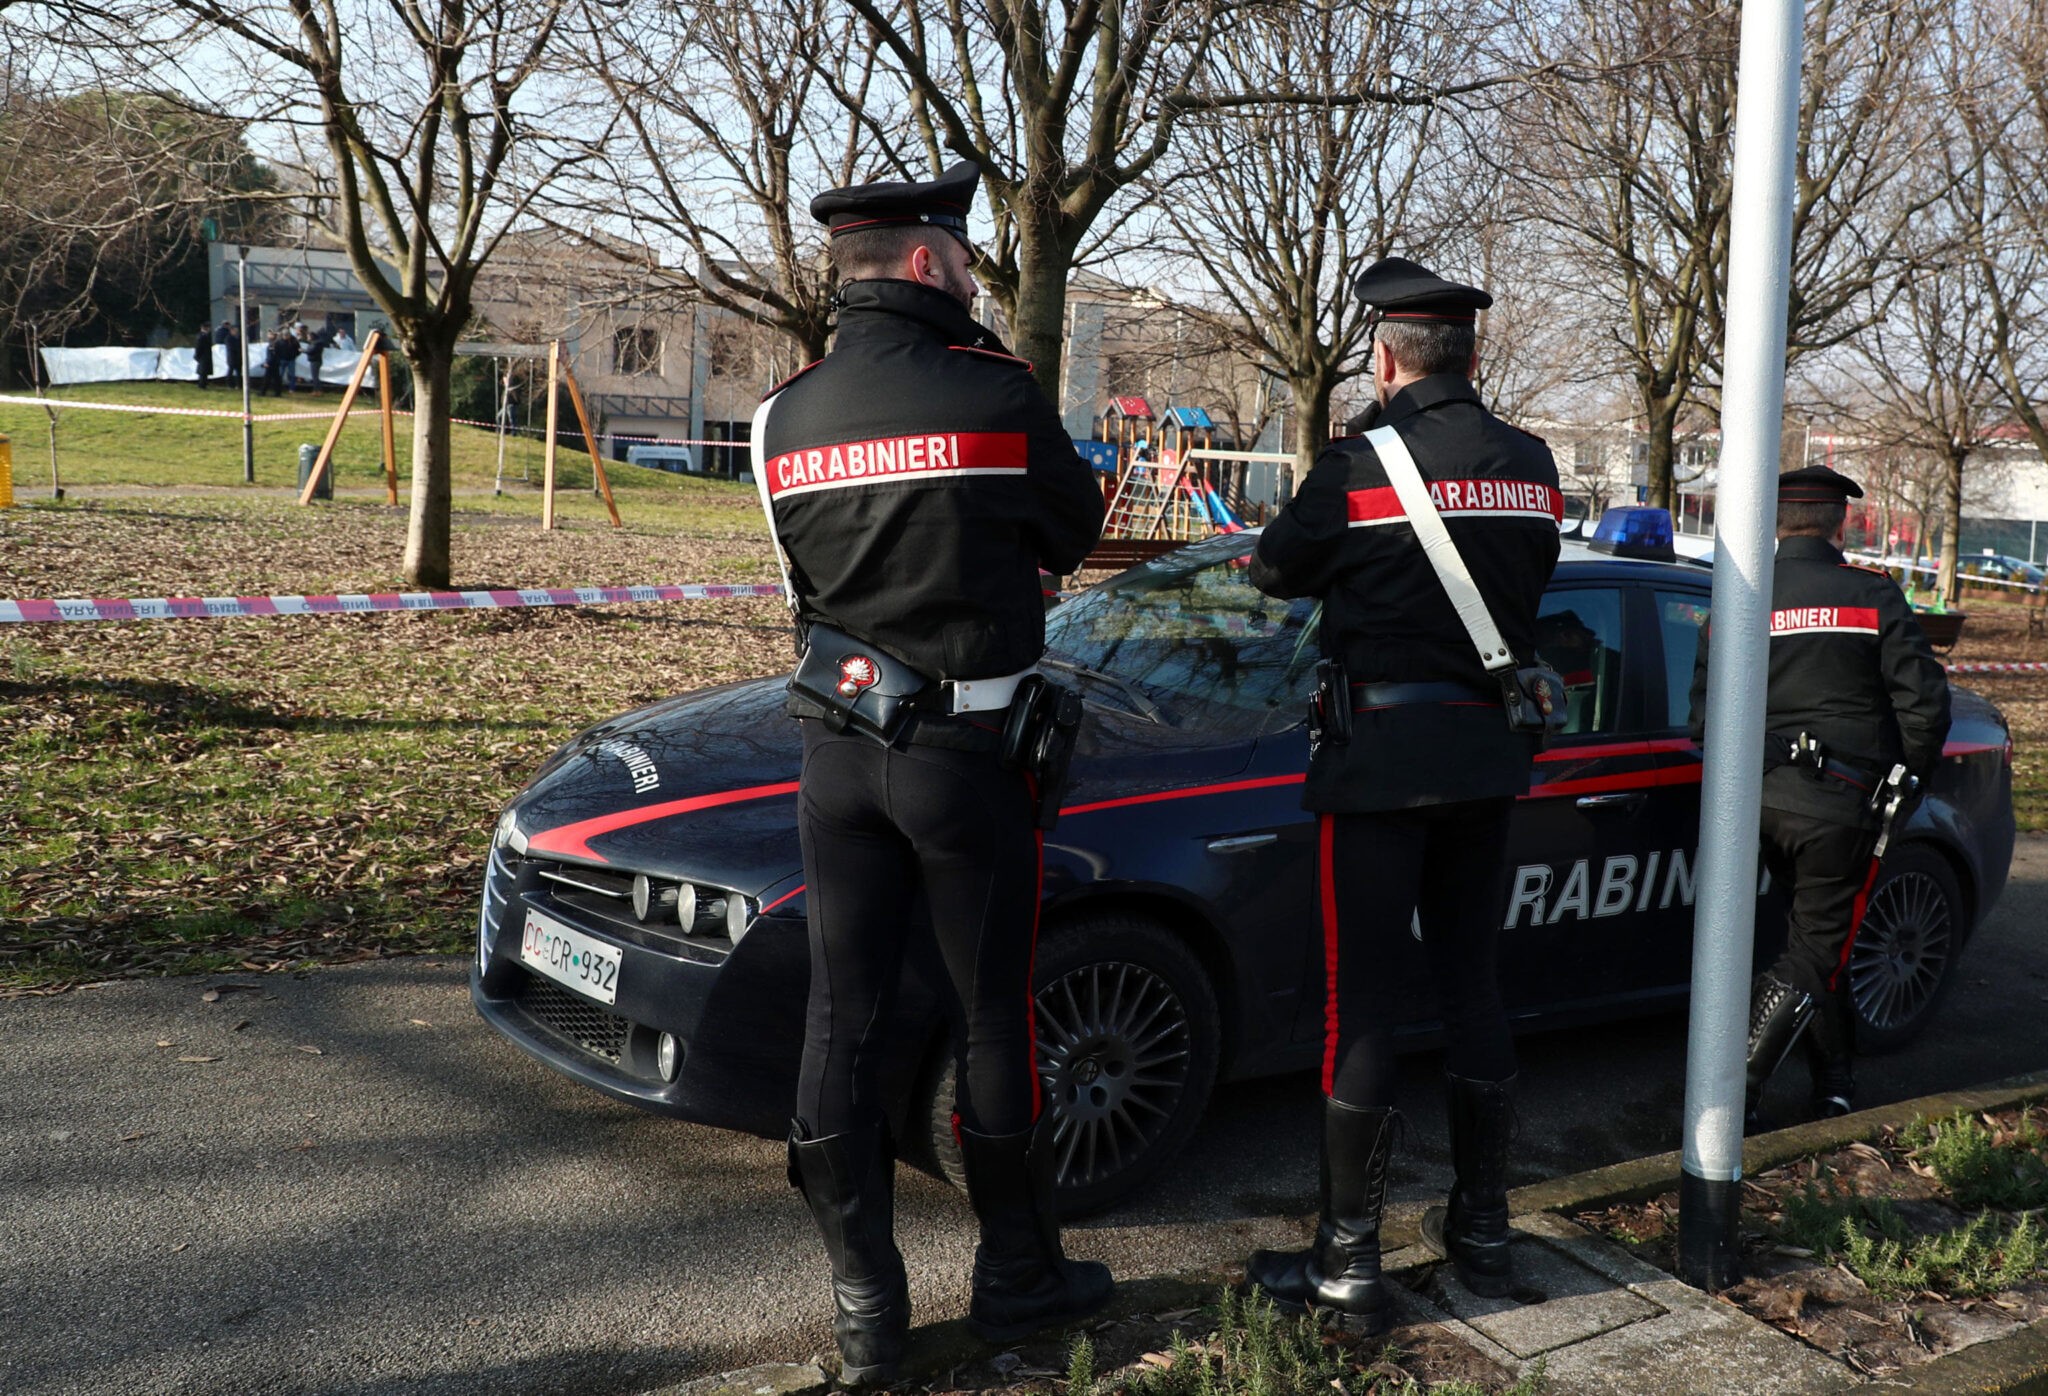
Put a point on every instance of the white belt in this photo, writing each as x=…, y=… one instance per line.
x=981, y=695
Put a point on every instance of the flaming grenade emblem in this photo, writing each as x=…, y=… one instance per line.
x=856, y=672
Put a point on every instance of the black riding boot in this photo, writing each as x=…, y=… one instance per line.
x=849, y=1180
x=1344, y=1266
x=1284, y=1275
x=1830, y=1046
x=1778, y=1013
x=1472, y=1231
x=1023, y=1281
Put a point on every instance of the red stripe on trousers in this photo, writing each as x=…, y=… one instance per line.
x=1031, y=969
x=1855, y=925
x=1327, y=841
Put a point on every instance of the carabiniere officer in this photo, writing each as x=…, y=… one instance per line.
x=1413, y=810
x=1854, y=692
x=917, y=479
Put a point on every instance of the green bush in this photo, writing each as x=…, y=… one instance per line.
x=1978, y=1171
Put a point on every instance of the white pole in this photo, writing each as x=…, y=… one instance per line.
x=1731, y=788
x=504, y=405
x=242, y=371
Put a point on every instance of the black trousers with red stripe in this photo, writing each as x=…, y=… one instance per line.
x=1379, y=872
x=1827, y=871
x=879, y=824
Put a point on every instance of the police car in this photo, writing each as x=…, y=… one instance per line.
x=642, y=925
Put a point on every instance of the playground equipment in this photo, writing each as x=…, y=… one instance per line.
x=1177, y=495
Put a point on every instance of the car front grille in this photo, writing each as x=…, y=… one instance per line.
x=577, y=1019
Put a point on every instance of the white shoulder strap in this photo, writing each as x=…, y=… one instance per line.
x=1437, y=546
x=758, y=442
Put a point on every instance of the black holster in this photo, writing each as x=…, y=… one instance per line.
x=1038, y=739
x=1329, y=706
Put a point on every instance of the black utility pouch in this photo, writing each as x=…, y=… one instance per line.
x=1038, y=739
x=1329, y=706
x=860, y=688
x=1535, y=699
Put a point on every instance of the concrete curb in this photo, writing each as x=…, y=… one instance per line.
x=1638, y=1180
x=2016, y=1364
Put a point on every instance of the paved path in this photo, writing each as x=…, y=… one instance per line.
x=418, y=1208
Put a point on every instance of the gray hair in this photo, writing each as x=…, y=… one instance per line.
x=1427, y=346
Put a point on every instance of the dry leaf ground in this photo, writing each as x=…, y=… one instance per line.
x=204, y=794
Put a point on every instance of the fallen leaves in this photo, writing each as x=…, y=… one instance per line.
x=196, y=1059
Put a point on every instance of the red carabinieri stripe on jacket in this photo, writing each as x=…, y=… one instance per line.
x=1455, y=499
x=1825, y=620
x=891, y=459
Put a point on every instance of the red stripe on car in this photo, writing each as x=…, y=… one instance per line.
x=573, y=840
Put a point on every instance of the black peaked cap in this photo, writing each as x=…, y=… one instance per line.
x=1816, y=484
x=1403, y=290
x=939, y=203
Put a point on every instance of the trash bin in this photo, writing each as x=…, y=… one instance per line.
x=308, y=453
x=6, y=473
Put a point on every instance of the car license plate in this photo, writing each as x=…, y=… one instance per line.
x=569, y=957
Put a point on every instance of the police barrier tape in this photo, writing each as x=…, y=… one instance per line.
x=217, y=607
x=1987, y=666
x=150, y=410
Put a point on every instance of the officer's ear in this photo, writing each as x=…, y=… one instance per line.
x=924, y=266
x=1472, y=369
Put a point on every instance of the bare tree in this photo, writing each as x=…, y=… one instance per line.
x=1278, y=206
x=1637, y=169
x=733, y=117
x=420, y=129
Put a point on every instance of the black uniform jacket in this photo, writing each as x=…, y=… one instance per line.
x=919, y=479
x=1344, y=538
x=1850, y=666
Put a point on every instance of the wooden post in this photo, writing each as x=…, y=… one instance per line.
x=547, y=488
x=384, y=410
x=348, y=400
x=590, y=441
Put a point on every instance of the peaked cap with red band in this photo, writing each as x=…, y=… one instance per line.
x=1398, y=289
x=1816, y=484
x=938, y=203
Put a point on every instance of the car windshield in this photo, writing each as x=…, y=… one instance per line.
x=1191, y=637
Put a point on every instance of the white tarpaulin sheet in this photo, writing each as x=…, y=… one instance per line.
x=68, y=366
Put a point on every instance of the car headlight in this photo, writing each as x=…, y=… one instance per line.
x=738, y=916
x=507, y=832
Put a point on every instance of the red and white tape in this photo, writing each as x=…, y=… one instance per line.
x=1992, y=667
x=147, y=409
x=212, y=607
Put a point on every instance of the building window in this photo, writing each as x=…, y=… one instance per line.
x=730, y=356
x=636, y=350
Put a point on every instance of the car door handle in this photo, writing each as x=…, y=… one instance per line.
x=1621, y=800
x=1243, y=843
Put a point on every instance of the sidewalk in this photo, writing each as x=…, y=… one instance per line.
x=1595, y=1320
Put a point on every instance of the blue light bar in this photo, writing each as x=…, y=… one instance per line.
x=1635, y=531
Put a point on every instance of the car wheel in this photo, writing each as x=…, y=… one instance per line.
x=1905, y=952
x=1128, y=1040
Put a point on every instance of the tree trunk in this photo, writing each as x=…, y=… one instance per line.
x=1038, y=324
x=1660, y=415
x=1311, y=426
x=1952, y=533
x=427, y=562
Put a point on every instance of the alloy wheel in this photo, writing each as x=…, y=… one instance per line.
x=1902, y=950
x=1113, y=1054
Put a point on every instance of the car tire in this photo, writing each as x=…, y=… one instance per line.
x=1904, y=958
x=1129, y=1037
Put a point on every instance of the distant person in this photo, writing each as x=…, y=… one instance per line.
x=202, y=355
x=317, y=347
x=228, y=338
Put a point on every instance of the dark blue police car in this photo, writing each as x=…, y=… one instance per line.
x=642, y=926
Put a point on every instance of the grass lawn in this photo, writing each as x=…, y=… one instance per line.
x=97, y=448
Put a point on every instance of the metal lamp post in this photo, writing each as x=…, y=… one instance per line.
x=242, y=369
x=1731, y=788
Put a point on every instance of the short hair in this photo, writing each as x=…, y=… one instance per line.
x=1806, y=518
x=1429, y=346
x=881, y=252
